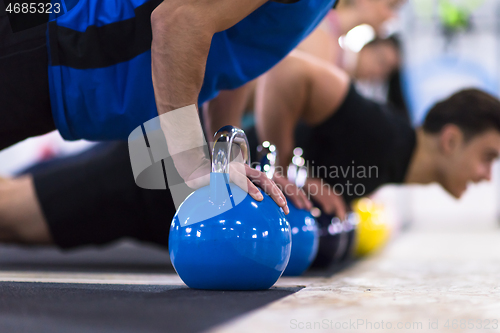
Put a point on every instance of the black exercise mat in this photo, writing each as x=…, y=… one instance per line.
x=92, y=308
x=122, y=257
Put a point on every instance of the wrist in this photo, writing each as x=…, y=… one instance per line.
x=183, y=131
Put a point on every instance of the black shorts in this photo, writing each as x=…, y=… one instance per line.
x=92, y=199
x=24, y=87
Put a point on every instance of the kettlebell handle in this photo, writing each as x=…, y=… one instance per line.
x=223, y=144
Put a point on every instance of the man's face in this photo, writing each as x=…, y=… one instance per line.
x=470, y=161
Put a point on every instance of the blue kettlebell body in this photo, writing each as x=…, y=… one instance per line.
x=223, y=239
x=305, y=240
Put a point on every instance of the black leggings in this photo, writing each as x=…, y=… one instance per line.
x=24, y=87
x=92, y=198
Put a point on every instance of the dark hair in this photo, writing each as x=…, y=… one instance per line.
x=395, y=97
x=472, y=110
x=392, y=40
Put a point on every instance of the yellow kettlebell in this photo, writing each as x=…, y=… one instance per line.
x=373, y=230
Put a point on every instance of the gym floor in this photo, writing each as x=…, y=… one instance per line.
x=422, y=281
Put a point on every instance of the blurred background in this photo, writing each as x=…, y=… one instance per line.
x=445, y=45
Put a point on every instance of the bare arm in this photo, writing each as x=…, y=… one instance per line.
x=281, y=96
x=320, y=43
x=182, y=34
x=226, y=109
x=301, y=87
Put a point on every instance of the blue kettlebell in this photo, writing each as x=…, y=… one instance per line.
x=305, y=240
x=221, y=238
x=305, y=236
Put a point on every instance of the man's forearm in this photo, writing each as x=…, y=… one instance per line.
x=182, y=33
x=179, y=54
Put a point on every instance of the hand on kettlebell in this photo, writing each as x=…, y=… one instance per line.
x=247, y=178
x=221, y=238
x=330, y=203
x=199, y=176
x=293, y=192
x=240, y=173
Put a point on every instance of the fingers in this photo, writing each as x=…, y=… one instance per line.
x=330, y=202
x=326, y=207
x=292, y=192
x=297, y=201
x=246, y=178
x=241, y=180
x=301, y=200
x=333, y=204
x=340, y=209
x=340, y=206
x=268, y=186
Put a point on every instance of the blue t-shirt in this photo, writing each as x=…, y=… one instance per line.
x=100, y=60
